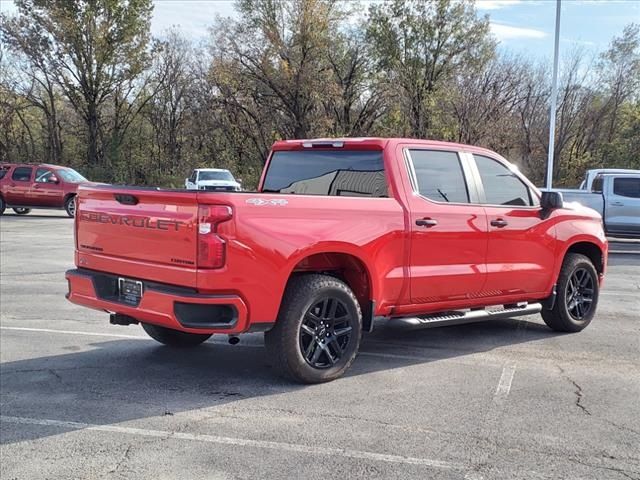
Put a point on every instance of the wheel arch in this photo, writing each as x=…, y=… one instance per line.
x=591, y=250
x=346, y=265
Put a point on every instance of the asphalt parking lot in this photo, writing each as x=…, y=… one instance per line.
x=503, y=399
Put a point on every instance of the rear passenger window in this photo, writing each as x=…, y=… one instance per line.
x=22, y=174
x=501, y=185
x=439, y=176
x=627, y=187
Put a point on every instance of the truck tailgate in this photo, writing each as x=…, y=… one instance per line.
x=146, y=225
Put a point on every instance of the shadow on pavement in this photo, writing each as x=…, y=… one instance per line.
x=123, y=380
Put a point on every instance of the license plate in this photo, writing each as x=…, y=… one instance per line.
x=129, y=291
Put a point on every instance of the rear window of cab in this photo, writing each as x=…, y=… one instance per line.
x=343, y=173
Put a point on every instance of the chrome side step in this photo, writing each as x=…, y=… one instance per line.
x=458, y=317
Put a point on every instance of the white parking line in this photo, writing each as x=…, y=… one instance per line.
x=504, y=384
x=73, y=332
x=242, y=442
x=619, y=294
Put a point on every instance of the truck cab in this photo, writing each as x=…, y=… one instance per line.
x=592, y=174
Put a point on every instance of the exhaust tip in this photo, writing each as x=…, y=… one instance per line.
x=233, y=340
x=119, y=319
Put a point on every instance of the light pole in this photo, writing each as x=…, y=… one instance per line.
x=554, y=97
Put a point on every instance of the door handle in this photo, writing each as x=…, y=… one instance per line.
x=426, y=222
x=36, y=186
x=499, y=222
x=617, y=204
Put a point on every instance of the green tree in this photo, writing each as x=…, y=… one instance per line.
x=420, y=45
x=94, y=48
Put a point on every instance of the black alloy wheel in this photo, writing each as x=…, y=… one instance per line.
x=579, y=294
x=578, y=289
x=318, y=330
x=325, y=333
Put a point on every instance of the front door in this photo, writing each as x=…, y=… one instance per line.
x=521, y=250
x=622, y=208
x=448, y=233
x=46, y=190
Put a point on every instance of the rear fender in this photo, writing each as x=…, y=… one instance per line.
x=322, y=258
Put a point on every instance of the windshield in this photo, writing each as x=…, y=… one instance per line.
x=327, y=172
x=222, y=175
x=70, y=175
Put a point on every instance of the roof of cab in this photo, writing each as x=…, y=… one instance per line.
x=366, y=143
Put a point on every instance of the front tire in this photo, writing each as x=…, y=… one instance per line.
x=70, y=206
x=22, y=211
x=317, y=334
x=175, y=338
x=2, y=205
x=577, y=298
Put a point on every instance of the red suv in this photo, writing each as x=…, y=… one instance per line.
x=26, y=186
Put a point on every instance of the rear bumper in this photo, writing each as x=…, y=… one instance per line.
x=165, y=305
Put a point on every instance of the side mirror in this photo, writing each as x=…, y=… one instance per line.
x=239, y=180
x=550, y=201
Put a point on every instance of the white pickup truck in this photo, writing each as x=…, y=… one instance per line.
x=616, y=196
x=213, y=179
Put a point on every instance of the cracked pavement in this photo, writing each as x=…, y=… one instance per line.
x=80, y=398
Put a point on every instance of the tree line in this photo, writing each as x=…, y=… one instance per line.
x=84, y=83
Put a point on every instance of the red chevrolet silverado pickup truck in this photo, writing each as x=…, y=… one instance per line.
x=341, y=232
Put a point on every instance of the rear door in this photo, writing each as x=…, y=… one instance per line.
x=521, y=250
x=46, y=189
x=19, y=185
x=622, y=204
x=140, y=227
x=448, y=232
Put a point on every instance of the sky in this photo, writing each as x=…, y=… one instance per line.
x=521, y=26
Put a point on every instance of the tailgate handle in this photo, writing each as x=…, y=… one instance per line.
x=126, y=199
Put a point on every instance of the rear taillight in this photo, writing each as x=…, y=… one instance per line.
x=212, y=249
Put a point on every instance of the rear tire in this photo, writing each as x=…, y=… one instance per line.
x=577, y=297
x=317, y=334
x=70, y=206
x=175, y=338
x=21, y=211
